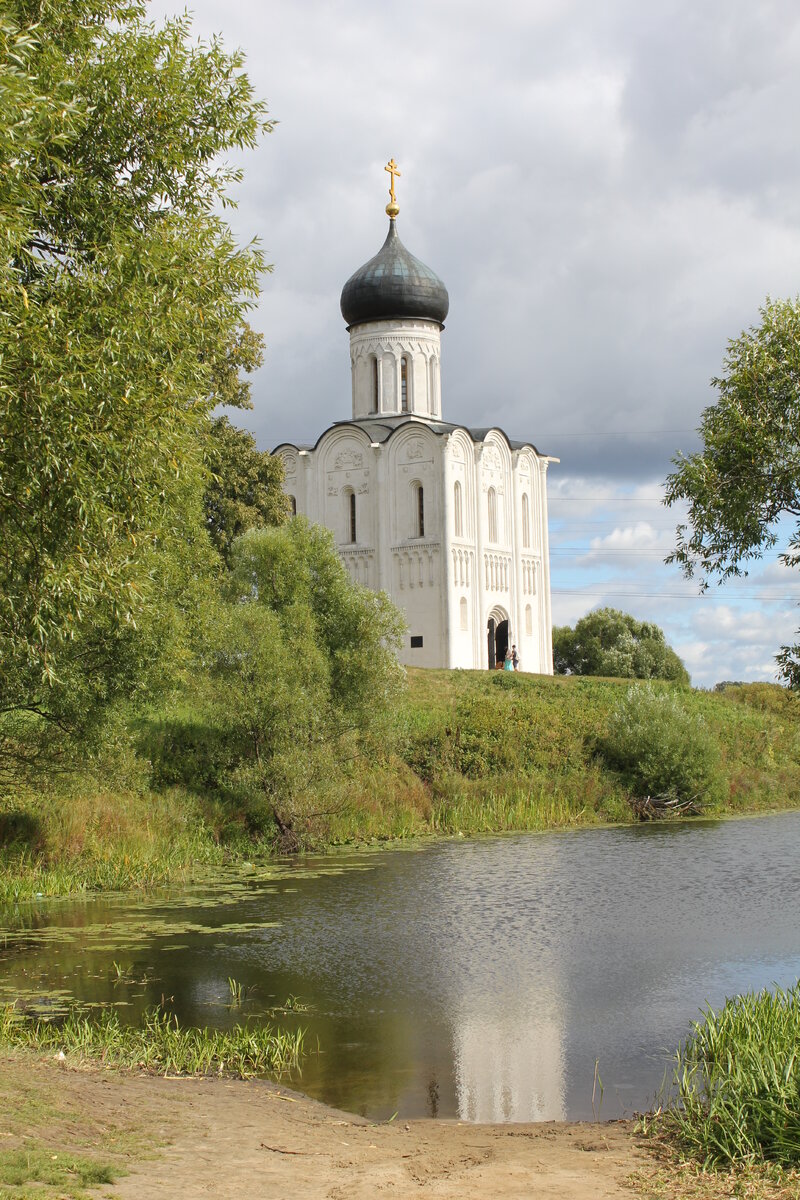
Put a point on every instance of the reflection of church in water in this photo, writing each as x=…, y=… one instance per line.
x=450, y=521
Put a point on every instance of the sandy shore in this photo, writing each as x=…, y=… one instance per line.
x=227, y=1139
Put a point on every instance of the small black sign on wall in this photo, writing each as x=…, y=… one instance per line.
x=416, y=641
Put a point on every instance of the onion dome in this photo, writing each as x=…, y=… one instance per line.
x=394, y=285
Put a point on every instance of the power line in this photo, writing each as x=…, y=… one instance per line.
x=573, y=550
x=622, y=433
x=675, y=595
x=606, y=499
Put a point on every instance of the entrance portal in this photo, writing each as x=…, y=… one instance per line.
x=501, y=641
x=497, y=640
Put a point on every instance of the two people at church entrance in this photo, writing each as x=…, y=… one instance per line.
x=503, y=654
x=511, y=660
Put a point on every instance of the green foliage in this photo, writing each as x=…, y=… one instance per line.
x=244, y=488
x=737, y=1082
x=359, y=632
x=299, y=666
x=122, y=314
x=612, y=643
x=453, y=752
x=661, y=747
x=747, y=476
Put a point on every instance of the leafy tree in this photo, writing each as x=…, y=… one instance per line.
x=244, y=489
x=747, y=476
x=609, y=642
x=300, y=667
x=296, y=569
x=123, y=300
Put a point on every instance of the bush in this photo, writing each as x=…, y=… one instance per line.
x=661, y=748
x=738, y=1082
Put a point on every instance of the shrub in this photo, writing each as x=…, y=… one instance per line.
x=660, y=747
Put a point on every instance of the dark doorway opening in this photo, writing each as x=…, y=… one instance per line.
x=497, y=635
x=501, y=641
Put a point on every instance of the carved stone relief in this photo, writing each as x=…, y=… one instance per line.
x=348, y=460
x=490, y=459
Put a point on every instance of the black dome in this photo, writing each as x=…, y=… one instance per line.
x=394, y=284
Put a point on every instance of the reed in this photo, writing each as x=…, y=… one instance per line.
x=160, y=1044
x=736, y=1082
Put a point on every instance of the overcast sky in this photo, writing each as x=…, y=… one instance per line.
x=609, y=192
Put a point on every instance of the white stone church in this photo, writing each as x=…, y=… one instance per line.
x=451, y=522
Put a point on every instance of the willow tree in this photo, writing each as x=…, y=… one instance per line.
x=123, y=304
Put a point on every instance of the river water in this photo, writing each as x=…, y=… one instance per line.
x=514, y=978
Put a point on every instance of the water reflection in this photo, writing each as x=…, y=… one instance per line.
x=509, y=1067
x=473, y=979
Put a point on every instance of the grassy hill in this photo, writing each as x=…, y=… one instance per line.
x=464, y=752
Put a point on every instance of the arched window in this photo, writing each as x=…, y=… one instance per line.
x=350, y=530
x=374, y=368
x=404, y=384
x=526, y=521
x=418, y=514
x=491, y=500
x=293, y=506
x=528, y=620
x=464, y=613
x=457, y=511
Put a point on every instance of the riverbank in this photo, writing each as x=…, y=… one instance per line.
x=144, y=1137
x=464, y=752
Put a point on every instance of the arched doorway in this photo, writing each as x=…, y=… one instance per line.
x=501, y=641
x=497, y=637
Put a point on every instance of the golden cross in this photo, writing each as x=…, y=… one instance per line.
x=391, y=167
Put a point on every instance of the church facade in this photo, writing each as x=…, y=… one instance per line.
x=451, y=522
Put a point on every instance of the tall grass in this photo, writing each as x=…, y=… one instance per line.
x=737, y=1082
x=159, y=1044
x=512, y=808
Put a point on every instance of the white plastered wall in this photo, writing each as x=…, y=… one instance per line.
x=416, y=571
x=448, y=583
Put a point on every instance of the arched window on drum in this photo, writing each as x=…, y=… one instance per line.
x=373, y=367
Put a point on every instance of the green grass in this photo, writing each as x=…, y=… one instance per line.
x=737, y=1083
x=160, y=1044
x=463, y=752
x=31, y=1172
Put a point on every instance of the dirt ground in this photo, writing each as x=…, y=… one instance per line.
x=227, y=1138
